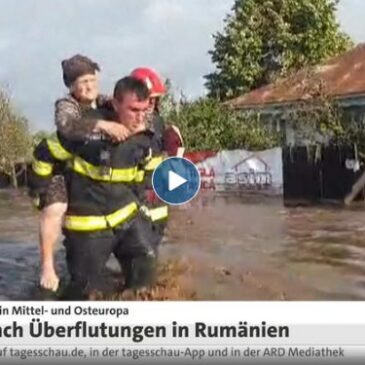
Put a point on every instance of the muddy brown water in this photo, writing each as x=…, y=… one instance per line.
x=235, y=248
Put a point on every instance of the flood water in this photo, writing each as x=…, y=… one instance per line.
x=237, y=248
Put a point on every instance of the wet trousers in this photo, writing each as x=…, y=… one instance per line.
x=134, y=244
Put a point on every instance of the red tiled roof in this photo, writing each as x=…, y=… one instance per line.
x=343, y=76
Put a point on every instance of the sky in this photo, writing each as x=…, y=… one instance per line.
x=172, y=36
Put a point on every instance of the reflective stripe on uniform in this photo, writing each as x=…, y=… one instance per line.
x=42, y=168
x=153, y=163
x=155, y=214
x=95, y=172
x=95, y=223
x=57, y=151
x=159, y=213
x=139, y=176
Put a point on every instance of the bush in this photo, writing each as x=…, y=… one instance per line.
x=208, y=125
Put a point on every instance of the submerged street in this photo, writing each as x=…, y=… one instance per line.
x=227, y=247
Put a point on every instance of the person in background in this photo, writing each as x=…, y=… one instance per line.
x=169, y=137
x=80, y=75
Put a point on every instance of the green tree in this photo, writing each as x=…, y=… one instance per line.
x=320, y=119
x=167, y=101
x=207, y=125
x=15, y=139
x=317, y=118
x=265, y=39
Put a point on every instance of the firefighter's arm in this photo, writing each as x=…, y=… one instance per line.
x=151, y=161
x=146, y=167
x=173, y=142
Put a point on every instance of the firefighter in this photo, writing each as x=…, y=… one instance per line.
x=104, y=214
x=162, y=145
x=80, y=75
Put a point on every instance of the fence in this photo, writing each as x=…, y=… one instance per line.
x=313, y=174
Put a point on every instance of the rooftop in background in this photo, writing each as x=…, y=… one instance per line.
x=344, y=76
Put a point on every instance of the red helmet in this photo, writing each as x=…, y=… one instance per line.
x=152, y=80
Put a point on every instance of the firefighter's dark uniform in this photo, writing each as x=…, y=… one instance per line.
x=154, y=208
x=104, y=214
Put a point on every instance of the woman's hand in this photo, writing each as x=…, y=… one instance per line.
x=117, y=132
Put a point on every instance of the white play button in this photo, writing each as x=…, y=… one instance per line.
x=175, y=180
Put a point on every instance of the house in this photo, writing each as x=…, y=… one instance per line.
x=344, y=80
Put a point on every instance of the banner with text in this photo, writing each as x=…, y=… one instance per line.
x=203, y=332
x=240, y=171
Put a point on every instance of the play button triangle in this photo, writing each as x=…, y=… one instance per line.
x=175, y=180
